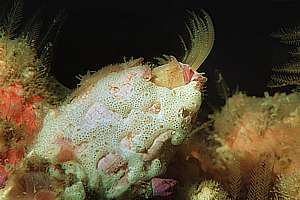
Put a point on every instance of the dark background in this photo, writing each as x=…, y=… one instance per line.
x=96, y=33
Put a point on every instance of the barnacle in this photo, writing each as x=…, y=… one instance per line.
x=115, y=132
x=201, y=36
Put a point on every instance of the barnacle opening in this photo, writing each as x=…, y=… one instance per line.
x=201, y=36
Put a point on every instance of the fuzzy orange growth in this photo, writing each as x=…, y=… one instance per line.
x=250, y=142
x=15, y=109
x=247, y=141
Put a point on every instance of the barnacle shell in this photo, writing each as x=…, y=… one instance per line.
x=119, y=115
x=119, y=128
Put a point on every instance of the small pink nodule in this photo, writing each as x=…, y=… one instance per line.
x=163, y=187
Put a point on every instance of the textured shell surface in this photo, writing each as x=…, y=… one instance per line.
x=118, y=125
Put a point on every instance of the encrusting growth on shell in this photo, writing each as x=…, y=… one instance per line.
x=117, y=131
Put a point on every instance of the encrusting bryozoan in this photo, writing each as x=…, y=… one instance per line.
x=114, y=134
x=122, y=125
x=117, y=128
